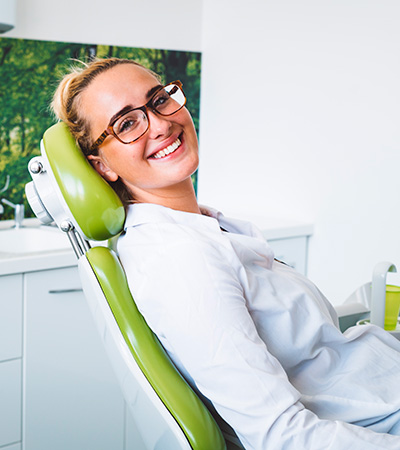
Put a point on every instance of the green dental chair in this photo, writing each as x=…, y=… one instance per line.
x=67, y=190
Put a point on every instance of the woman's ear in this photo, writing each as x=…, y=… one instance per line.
x=102, y=168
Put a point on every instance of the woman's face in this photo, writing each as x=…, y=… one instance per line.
x=148, y=176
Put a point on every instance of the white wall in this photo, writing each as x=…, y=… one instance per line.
x=301, y=118
x=175, y=24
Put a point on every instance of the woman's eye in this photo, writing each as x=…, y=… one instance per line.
x=160, y=100
x=127, y=124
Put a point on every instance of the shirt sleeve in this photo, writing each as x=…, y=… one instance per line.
x=192, y=298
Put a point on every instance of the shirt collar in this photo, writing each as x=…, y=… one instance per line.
x=142, y=213
x=210, y=218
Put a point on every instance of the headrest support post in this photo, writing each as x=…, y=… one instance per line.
x=79, y=245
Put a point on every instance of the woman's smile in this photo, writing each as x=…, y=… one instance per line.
x=167, y=151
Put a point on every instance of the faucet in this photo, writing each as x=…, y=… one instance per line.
x=19, y=211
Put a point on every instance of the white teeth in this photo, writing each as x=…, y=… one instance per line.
x=167, y=151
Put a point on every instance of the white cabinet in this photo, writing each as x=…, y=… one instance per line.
x=10, y=360
x=72, y=399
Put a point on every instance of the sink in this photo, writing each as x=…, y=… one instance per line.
x=32, y=240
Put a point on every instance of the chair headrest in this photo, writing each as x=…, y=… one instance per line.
x=69, y=189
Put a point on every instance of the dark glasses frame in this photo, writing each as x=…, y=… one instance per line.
x=148, y=106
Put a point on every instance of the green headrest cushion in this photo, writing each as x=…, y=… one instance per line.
x=95, y=206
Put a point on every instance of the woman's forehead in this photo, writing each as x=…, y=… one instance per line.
x=135, y=79
x=120, y=86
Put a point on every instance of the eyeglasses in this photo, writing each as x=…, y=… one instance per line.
x=131, y=125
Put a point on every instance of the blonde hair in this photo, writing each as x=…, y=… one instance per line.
x=66, y=105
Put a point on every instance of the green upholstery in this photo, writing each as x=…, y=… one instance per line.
x=100, y=215
x=94, y=205
x=187, y=409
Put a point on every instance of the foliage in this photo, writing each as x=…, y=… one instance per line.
x=29, y=73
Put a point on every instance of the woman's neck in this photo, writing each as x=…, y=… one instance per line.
x=180, y=198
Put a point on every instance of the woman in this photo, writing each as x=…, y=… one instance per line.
x=248, y=332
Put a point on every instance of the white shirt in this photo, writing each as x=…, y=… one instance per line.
x=256, y=338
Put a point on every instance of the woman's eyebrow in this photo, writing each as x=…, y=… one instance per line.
x=121, y=112
x=153, y=90
x=127, y=108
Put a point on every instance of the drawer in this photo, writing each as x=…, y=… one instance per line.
x=292, y=251
x=10, y=402
x=10, y=317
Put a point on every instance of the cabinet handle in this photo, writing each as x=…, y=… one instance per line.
x=64, y=291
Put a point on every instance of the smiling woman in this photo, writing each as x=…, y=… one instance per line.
x=136, y=133
x=249, y=333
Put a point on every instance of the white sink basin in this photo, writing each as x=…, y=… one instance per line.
x=32, y=240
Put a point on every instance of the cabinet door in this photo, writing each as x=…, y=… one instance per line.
x=10, y=402
x=10, y=358
x=72, y=399
x=10, y=317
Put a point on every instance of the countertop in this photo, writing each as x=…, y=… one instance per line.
x=11, y=263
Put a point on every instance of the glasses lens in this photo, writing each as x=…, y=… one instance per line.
x=169, y=100
x=131, y=126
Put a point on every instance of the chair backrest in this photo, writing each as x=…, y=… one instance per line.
x=66, y=189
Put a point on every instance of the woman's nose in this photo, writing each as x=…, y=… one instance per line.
x=159, y=126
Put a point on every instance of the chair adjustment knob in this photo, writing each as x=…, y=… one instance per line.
x=36, y=167
x=66, y=226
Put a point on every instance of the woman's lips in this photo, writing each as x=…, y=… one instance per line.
x=167, y=150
